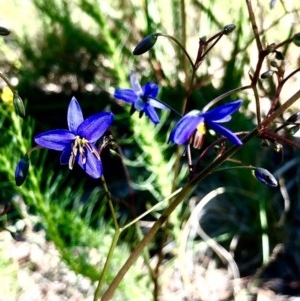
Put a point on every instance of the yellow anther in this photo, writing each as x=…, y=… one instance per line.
x=201, y=128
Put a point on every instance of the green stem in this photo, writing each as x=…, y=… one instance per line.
x=107, y=263
x=185, y=192
x=114, y=242
x=151, y=209
x=7, y=82
x=217, y=99
x=189, y=188
x=110, y=204
x=264, y=227
x=180, y=45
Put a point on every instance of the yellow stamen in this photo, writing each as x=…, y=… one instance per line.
x=201, y=128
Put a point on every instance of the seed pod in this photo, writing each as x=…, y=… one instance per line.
x=146, y=44
x=22, y=170
x=264, y=176
x=229, y=29
x=267, y=74
x=274, y=64
x=293, y=118
x=4, y=31
x=19, y=105
x=296, y=39
x=279, y=56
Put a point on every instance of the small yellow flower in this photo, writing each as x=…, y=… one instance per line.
x=7, y=95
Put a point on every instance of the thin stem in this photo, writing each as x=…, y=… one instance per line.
x=183, y=34
x=217, y=99
x=264, y=227
x=276, y=137
x=180, y=45
x=189, y=188
x=254, y=26
x=281, y=109
x=107, y=263
x=110, y=204
x=200, y=59
x=114, y=242
x=151, y=209
x=7, y=82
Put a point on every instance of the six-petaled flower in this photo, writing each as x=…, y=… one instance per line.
x=78, y=143
x=191, y=128
x=142, y=98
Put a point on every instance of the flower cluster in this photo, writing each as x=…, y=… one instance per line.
x=78, y=142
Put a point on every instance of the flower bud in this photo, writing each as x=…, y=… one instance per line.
x=279, y=56
x=229, y=29
x=146, y=44
x=267, y=74
x=4, y=31
x=296, y=39
x=293, y=118
x=293, y=129
x=19, y=105
x=274, y=64
x=22, y=170
x=272, y=3
x=264, y=176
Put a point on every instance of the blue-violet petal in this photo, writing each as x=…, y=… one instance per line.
x=185, y=127
x=55, y=139
x=225, y=132
x=95, y=126
x=74, y=116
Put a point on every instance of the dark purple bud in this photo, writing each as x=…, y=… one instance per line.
x=146, y=44
x=4, y=31
x=228, y=29
x=265, y=177
x=19, y=105
x=272, y=3
x=293, y=129
x=267, y=74
x=279, y=56
x=296, y=39
x=293, y=118
x=22, y=170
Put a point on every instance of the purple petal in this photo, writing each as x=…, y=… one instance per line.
x=225, y=132
x=151, y=113
x=127, y=95
x=92, y=166
x=75, y=117
x=185, y=127
x=95, y=126
x=220, y=114
x=135, y=84
x=65, y=155
x=157, y=104
x=150, y=90
x=55, y=139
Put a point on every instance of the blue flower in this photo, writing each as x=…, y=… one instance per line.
x=142, y=98
x=191, y=128
x=78, y=142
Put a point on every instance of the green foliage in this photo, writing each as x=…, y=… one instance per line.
x=75, y=224
x=84, y=47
